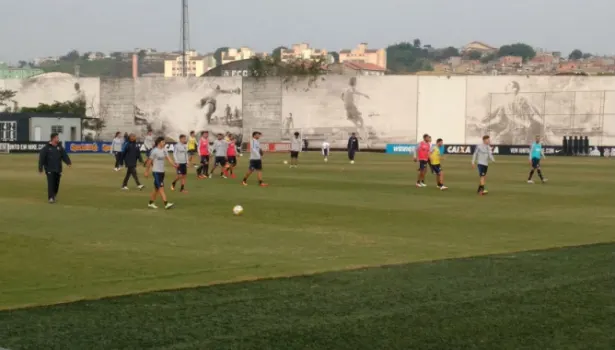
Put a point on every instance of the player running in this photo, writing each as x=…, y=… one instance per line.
x=325, y=150
x=231, y=155
x=156, y=164
x=202, y=172
x=220, y=150
x=482, y=155
x=192, y=145
x=537, y=153
x=180, y=154
x=436, y=167
x=422, y=156
x=256, y=160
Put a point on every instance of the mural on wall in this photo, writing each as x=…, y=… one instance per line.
x=380, y=110
x=514, y=109
x=58, y=87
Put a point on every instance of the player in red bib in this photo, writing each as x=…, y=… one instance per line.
x=422, y=155
x=231, y=154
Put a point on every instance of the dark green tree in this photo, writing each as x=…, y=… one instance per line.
x=86, y=56
x=218, y=54
x=277, y=52
x=416, y=43
x=22, y=64
x=519, y=49
x=269, y=66
x=116, y=55
x=6, y=97
x=587, y=55
x=575, y=55
x=336, y=56
x=407, y=58
x=76, y=108
x=474, y=55
x=444, y=54
x=71, y=56
x=488, y=58
x=141, y=55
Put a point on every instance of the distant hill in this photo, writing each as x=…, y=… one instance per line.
x=102, y=68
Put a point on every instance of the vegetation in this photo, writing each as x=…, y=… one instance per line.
x=218, y=54
x=76, y=108
x=471, y=274
x=519, y=49
x=270, y=66
x=408, y=58
x=6, y=97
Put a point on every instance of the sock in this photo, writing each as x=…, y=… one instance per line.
x=165, y=202
x=174, y=182
x=481, y=188
x=245, y=179
x=531, y=174
x=540, y=175
x=182, y=188
x=198, y=170
x=260, y=182
x=151, y=202
x=439, y=184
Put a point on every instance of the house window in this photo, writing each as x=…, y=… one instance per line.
x=58, y=129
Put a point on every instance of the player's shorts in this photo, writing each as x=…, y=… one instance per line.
x=535, y=163
x=158, y=180
x=191, y=152
x=482, y=170
x=182, y=169
x=423, y=164
x=256, y=164
x=325, y=152
x=232, y=160
x=147, y=153
x=205, y=160
x=294, y=154
x=221, y=161
x=436, y=168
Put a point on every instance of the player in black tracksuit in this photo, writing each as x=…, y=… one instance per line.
x=131, y=155
x=353, y=147
x=50, y=160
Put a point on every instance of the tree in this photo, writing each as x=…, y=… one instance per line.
x=474, y=55
x=141, y=55
x=22, y=64
x=488, y=58
x=86, y=56
x=6, y=96
x=407, y=58
x=519, y=49
x=277, y=52
x=76, y=108
x=575, y=55
x=218, y=54
x=116, y=55
x=269, y=66
x=417, y=43
x=587, y=55
x=336, y=56
x=444, y=54
x=71, y=56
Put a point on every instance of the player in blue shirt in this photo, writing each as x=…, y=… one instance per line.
x=536, y=154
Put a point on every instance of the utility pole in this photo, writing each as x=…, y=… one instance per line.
x=185, y=37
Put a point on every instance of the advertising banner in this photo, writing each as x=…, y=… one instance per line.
x=25, y=147
x=101, y=147
x=274, y=146
x=400, y=148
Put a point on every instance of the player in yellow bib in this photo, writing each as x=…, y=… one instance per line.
x=192, y=145
x=436, y=166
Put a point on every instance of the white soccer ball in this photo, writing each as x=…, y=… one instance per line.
x=326, y=160
x=237, y=210
x=285, y=162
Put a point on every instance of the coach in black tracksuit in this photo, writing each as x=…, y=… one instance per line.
x=353, y=146
x=50, y=160
x=131, y=155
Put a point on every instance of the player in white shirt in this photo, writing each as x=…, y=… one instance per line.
x=325, y=150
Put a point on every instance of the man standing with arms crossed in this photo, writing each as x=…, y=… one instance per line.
x=422, y=155
x=353, y=147
x=482, y=155
x=50, y=160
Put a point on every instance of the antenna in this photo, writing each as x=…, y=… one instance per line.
x=185, y=37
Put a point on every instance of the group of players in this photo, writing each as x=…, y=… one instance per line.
x=428, y=154
x=224, y=151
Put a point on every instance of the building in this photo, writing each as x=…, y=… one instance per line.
x=7, y=72
x=511, y=61
x=355, y=68
x=362, y=54
x=479, y=47
x=242, y=68
x=302, y=51
x=196, y=65
x=37, y=127
x=230, y=55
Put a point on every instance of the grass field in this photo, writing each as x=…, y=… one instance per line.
x=469, y=272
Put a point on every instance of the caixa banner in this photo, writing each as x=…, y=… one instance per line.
x=505, y=150
x=101, y=147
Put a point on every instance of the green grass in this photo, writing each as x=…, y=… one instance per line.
x=99, y=242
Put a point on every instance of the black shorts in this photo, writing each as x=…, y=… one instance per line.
x=482, y=170
x=191, y=152
x=158, y=180
x=205, y=160
x=294, y=154
x=221, y=161
x=436, y=168
x=256, y=164
x=535, y=163
x=232, y=160
x=182, y=169
x=423, y=164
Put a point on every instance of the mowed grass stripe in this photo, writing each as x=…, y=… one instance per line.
x=554, y=299
x=100, y=241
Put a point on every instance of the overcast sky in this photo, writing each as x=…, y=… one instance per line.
x=34, y=28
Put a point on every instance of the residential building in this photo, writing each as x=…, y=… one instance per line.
x=479, y=47
x=510, y=61
x=362, y=54
x=7, y=72
x=301, y=51
x=196, y=65
x=567, y=67
x=230, y=55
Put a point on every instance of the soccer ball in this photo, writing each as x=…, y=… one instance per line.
x=326, y=160
x=237, y=210
x=285, y=162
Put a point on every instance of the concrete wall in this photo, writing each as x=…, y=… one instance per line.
x=512, y=109
x=45, y=124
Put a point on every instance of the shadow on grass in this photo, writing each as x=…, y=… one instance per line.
x=553, y=299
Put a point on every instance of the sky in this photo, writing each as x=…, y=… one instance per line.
x=38, y=28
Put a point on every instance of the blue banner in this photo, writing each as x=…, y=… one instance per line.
x=400, y=148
